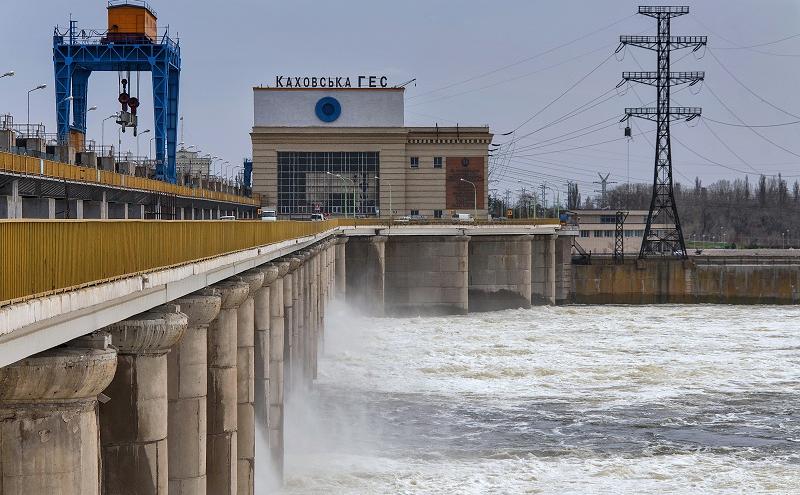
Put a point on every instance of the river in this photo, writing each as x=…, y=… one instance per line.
x=570, y=399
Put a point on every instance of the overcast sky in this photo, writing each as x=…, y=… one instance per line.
x=476, y=62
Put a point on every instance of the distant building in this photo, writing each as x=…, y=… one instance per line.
x=192, y=163
x=598, y=228
x=337, y=150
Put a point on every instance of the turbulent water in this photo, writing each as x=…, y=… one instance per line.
x=581, y=399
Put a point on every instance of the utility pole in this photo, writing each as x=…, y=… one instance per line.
x=667, y=238
x=604, y=182
x=544, y=195
x=619, y=237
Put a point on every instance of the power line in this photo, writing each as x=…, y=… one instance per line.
x=504, y=81
x=737, y=46
x=764, y=100
x=750, y=128
x=532, y=57
x=564, y=92
x=782, y=124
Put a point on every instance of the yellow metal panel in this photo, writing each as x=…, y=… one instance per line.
x=28, y=165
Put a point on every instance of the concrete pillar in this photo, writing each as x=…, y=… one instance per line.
x=104, y=207
x=187, y=379
x=221, y=447
x=289, y=291
x=277, y=353
x=263, y=320
x=550, y=264
x=133, y=424
x=365, y=272
x=15, y=204
x=245, y=381
x=49, y=440
x=427, y=275
x=563, y=269
x=339, y=283
x=499, y=272
x=543, y=269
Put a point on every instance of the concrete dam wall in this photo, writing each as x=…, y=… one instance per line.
x=744, y=278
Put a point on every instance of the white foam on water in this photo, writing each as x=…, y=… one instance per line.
x=575, y=399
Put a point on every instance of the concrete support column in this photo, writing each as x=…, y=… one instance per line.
x=15, y=201
x=563, y=269
x=245, y=379
x=292, y=377
x=288, y=324
x=365, y=273
x=187, y=390
x=133, y=424
x=263, y=321
x=49, y=439
x=221, y=447
x=550, y=263
x=339, y=268
x=104, y=207
x=277, y=353
x=543, y=269
x=500, y=272
x=427, y=275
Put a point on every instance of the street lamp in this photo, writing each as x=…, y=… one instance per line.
x=475, y=197
x=345, y=192
x=41, y=86
x=150, y=149
x=8, y=74
x=137, y=141
x=103, y=130
x=391, y=212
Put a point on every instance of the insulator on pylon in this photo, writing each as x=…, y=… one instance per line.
x=627, y=131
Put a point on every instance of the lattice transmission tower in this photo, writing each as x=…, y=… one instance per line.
x=663, y=235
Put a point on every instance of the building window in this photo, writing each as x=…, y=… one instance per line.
x=414, y=162
x=584, y=233
x=609, y=233
x=414, y=213
x=597, y=233
x=437, y=162
x=437, y=213
x=308, y=183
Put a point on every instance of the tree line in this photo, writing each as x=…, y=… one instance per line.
x=760, y=214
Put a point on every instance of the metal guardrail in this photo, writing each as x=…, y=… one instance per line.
x=43, y=257
x=48, y=256
x=10, y=162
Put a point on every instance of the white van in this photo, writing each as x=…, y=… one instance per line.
x=227, y=217
x=317, y=217
x=462, y=217
x=269, y=216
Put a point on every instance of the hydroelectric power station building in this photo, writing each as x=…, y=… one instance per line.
x=339, y=149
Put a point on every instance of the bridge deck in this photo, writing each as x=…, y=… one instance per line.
x=31, y=166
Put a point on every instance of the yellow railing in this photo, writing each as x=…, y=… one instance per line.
x=34, y=166
x=47, y=256
x=39, y=257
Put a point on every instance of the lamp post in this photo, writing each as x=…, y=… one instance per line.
x=41, y=86
x=345, y=192
x=391, y=211
x=137, y=141
x=103, y=130
x=475, y=197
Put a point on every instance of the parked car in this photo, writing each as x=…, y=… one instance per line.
x=317, y=217
x=403, y=219
x=227, y=217
x=269, y=216
x=463, y=217
x=416, y=218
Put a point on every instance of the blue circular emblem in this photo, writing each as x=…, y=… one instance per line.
x=328, y=109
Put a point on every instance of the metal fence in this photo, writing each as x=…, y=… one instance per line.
x=49, y=256
x=10, y=162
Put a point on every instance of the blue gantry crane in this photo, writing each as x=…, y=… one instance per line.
x=132, y=43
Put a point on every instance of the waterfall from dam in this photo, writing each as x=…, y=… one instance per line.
x=571, y=399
